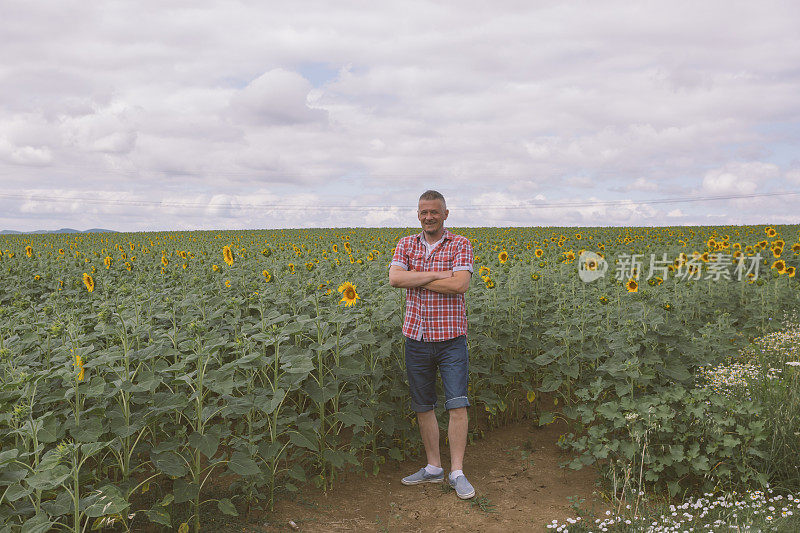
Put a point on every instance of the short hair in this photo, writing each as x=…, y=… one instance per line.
x=433, y=195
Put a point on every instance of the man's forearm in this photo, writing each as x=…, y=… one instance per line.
x=409, y=279
x=453, y=285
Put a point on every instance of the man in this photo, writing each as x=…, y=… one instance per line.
x=435, y=267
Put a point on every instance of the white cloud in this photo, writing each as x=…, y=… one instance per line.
x=642, y=184
x=278, y=97
x=740, y=178
x=25, y=155
x=518, y=99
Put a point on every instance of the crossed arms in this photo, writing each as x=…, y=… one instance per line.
x=444, y=282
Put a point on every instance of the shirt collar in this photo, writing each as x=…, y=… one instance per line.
x=446, y=236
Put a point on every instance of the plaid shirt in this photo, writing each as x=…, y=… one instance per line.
x=432, y=316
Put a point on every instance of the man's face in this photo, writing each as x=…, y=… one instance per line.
x=432, y=214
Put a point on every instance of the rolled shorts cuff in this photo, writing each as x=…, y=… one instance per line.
x=455, y=403
x=421, y=408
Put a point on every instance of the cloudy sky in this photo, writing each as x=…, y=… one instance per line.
x=177, y=114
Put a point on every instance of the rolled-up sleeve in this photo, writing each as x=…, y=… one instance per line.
x=399, y=257
x=463, y=259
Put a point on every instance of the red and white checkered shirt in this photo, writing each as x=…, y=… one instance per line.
x=432, y=316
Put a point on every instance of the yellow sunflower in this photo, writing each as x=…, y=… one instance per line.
x=503, y=256
x=790, y=271
x=484, y=271
x=28, y=251
x=107, y=262
x=538, y=252
x=88, y=281
x=631, y=285
x=267, y=275
x=79, y=365
x=227, y=255
x=349, y=294
x=164, y=260
x=780, y=266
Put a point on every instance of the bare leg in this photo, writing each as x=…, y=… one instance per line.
x=457, y=435
x=429, y=430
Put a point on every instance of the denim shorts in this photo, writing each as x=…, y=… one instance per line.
x=422, y=360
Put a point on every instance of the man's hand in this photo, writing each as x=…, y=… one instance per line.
x=409, y=279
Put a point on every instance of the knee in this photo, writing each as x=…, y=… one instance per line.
x=458, y=414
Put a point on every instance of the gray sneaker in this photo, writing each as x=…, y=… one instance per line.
x=422, y=477
x=462, y=486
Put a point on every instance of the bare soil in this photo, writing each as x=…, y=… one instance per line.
x=515, y=470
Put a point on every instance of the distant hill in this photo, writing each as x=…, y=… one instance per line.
x=62, y=230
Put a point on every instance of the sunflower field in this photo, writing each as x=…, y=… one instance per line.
x=147, y=379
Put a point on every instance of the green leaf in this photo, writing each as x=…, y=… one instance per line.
x=15, y=491
x=48, y=479
x=91, y=448
x=39, y=523
x=550, y=383
x=184, y=491
x=243, y=465
x=227, y=507
x=52, y=430
x=207, y=444
x=159, y=516
x=170, y=463
x=96, y=387
x=273, y=403
x=335, y=457
x=8, y=456
x=297, y=472
x=106, y=500
x=62, y=504
x=350, y=419
x=546, y=418
x=11, y=474
x=298, y=439
x=88, y=431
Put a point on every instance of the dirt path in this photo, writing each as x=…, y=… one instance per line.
x=518, y=483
